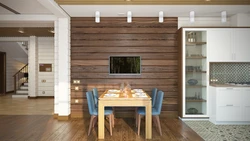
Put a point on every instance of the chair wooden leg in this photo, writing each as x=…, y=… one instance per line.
x=136, y=117
x=139, y=124
x=158, y=124
x=113, y=120
x=94, y=121
x=110, y=123
x=91, y=124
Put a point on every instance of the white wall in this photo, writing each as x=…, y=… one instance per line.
x=12, y=66
x=46, y=56
x=202, y=22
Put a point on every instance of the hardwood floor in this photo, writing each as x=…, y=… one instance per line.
x=42, y=127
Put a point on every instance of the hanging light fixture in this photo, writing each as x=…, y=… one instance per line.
x=191, y=16
x=223, y=16
x=161, y=17
x=97, y=16
x=129, y=16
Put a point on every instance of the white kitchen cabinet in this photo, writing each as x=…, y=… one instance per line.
x=219, y=42
x=246, y=104
x=228, y=44
x=229, y=105
x=242, y=44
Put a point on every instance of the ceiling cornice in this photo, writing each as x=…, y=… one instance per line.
x=153, y=2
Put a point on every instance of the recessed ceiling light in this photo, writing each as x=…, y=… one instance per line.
x=207, y=0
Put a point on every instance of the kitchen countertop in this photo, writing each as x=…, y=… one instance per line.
x=226, y=85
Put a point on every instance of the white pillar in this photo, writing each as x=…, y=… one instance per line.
x=33, y=67
x=56, y=73
x=63, y=91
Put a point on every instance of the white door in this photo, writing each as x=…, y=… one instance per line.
x=219, y=45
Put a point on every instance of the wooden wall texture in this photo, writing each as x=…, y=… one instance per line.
x=92, y=44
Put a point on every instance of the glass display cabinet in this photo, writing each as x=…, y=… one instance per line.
x=194, y=73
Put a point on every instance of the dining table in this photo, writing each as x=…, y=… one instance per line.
x=119, y=98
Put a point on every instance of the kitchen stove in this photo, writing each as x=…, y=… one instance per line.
x=239, y=83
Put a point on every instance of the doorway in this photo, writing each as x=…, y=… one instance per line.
x=2, y=73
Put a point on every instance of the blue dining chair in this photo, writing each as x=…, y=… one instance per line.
x=93, y=111
x=156, y=111
x=153, y=96
x=95, y=92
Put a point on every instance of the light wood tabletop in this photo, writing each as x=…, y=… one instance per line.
x=131, y=98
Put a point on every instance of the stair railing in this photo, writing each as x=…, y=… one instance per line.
x=20, y=77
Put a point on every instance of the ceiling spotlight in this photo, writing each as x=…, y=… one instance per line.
x=129, y=16
x=191, y=18
x=20, y=30
x=97, y=16
x=223, y=16
x=161, y=18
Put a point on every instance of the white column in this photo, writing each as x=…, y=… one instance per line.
x=56, y=73
x=33, y=67
x=63, y=67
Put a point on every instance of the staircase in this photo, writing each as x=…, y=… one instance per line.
x=21, y=83
x=22, y=92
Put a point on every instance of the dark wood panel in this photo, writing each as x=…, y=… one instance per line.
x=122, y=30
x=124, y=43
x=92, y=44
x=105, y=69
x=107, y=76
x=116, y=49
x=106, y=62
x=144, y=56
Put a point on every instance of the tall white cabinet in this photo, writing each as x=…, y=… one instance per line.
x=194, y=69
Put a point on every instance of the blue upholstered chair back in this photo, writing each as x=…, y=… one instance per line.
x=95, y=92
x=91, y=104
x=158, y=103
x=153, y=95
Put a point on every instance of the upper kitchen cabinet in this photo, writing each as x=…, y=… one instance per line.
x=228, y=44
x=193, y=69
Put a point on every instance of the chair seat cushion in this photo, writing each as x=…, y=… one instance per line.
x=141, y=111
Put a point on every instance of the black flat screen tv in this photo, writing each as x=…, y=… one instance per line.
x=130, y=65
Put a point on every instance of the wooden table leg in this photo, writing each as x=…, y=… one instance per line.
x=148, y=121
x=100, y=120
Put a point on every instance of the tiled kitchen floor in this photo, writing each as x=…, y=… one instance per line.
x=24, y=106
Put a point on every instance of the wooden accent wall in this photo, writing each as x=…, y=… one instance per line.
x=92, y=44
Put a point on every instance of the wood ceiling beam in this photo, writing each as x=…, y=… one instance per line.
x=153, y=2
x=10, y=9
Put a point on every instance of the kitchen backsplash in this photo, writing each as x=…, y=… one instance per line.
x=222, y=73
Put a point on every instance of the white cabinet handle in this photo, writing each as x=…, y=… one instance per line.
x=230, y=105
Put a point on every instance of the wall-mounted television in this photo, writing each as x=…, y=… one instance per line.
x=130, y=65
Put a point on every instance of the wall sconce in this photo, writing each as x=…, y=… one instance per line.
x=76, y=88
x=97, y=16
x=129, y=16
x=161, y=18
x=20, y=30
x=76, y=81
x=76, y=100
x=223, y=16
x=191, y=16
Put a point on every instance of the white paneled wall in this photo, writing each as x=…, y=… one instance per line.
x=46, y=56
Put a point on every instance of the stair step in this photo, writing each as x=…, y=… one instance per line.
x=20, y=96
x=25, y=84
x=22, y=91
x=24, y=87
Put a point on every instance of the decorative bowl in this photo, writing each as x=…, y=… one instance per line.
x=192, y=81
x=192, y=111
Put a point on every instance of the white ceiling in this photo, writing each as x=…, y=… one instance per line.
x=153, y=10
x=34, y=7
